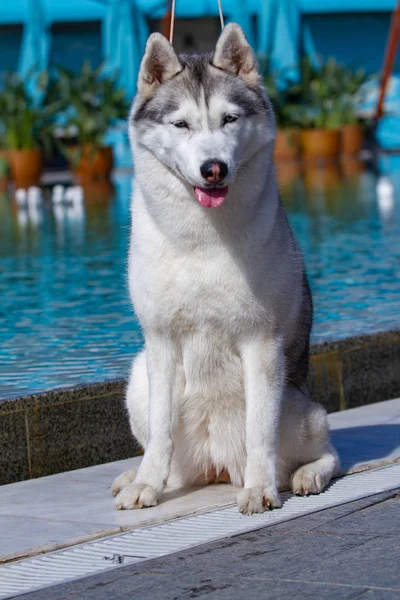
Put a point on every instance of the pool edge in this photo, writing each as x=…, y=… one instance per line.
x=71, y=428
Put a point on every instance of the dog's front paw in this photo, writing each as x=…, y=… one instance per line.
x=257, y=500
x=123, y=480
x=136, y=495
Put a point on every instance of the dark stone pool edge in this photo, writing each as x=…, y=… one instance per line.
x=67, y=429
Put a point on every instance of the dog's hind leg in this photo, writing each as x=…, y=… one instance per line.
x=305, y=431
x=313, y=477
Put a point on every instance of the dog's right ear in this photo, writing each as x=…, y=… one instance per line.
x=159, y=64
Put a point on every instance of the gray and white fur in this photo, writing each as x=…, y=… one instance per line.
x=220, y=391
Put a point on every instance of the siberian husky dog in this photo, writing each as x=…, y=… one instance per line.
x=217, y=281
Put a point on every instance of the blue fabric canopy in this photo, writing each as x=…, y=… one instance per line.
x=277, y=32
x=283, y=37
x=239, y=12
x=124, y=35
x=34, y=55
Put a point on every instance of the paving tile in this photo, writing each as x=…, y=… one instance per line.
x=19, y=532
x=366, y=434
x=83, y=498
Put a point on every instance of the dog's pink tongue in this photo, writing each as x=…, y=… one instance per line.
x=211, y=198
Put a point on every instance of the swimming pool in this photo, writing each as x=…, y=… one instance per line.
x=65, y=314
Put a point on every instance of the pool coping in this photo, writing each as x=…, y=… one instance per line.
x=71, y=428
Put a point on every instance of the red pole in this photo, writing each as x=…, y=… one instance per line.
x=390, y=57
x=167, y=20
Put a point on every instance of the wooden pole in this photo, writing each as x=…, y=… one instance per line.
x=390, y=57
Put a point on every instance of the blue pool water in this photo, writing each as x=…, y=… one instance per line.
x=65, y=315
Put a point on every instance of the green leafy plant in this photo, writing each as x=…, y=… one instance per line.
x=323, y=97
x=3, y=167
x=285, y=97
x=92, y=102
x=24, y=123
x=2, y=128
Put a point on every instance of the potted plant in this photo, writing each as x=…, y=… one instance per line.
x=320, y=134
x=93, y=103
x=3, y=173
x=28, y=131
x=284, y=96
x=3, y=155
x=4, y=166
x=352, y=130
x=319, y=112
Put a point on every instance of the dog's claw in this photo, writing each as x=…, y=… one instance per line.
x=136, y=495
x=307, y=481
x=122, y=481
x=257, y=500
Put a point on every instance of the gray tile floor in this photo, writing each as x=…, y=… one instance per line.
x=343, y=553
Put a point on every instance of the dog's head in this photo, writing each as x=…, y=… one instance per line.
x=206, y=116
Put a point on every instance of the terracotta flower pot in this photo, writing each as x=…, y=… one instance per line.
x=91, y=163
x=351, y=139
x=287, y=145
x=26, y=166
x=320, y=144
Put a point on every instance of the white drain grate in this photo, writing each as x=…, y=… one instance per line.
x=166, y=538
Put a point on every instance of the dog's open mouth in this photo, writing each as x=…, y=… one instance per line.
x=211, y=197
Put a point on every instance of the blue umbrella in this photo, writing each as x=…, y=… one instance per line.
x=34, y=54
x=124, y=34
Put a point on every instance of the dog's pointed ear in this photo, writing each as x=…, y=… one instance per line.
x=159, y=64
x=233, y=53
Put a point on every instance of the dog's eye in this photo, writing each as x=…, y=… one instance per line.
x=181, y=124
x=230, y=119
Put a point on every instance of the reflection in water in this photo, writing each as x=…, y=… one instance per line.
x=352, y=167
x=329, y=189
x=321, y=178
x=66, y=317
x=287, y=174
x=386, y=199
x=98, y=194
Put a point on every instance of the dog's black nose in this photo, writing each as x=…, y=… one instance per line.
x=214, y=170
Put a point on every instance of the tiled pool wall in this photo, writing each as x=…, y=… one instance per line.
x=82, y=426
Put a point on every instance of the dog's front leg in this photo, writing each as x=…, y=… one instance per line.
x=154, y=470
x=263, y=366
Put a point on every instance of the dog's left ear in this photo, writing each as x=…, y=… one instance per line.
x=233, y=53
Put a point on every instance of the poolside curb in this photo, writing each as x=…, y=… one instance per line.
x=78, y=427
